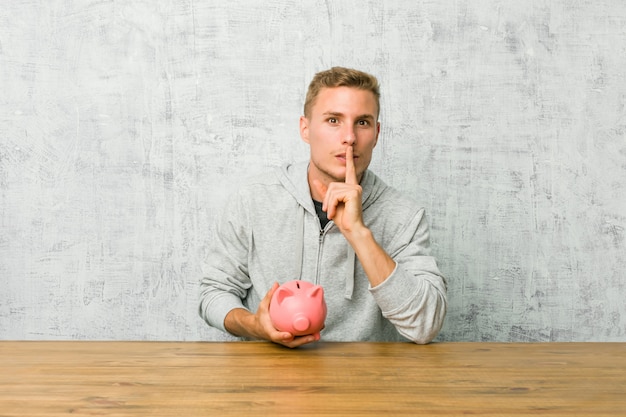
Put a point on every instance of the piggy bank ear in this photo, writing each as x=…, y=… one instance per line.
x=316, y=292
x=282, y=293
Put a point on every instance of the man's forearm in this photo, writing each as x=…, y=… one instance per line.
x=240, y=322
x=377, y=264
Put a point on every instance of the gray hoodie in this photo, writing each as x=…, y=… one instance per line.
x=269, y=232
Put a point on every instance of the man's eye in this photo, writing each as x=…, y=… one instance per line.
x=363, y=123
x=332, y=120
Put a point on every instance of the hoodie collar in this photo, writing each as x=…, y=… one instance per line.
x=294, y=179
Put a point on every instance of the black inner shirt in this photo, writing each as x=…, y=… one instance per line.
x=321, y=213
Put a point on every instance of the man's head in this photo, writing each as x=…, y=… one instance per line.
x=341, y=111
x=341, y=77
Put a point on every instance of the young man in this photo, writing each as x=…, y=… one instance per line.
x=332, y=222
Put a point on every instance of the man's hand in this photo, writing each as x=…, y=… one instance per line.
x=241, y=322
x=342, y=203
x=342, y=200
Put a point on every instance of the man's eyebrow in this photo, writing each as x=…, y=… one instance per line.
x=339, y=114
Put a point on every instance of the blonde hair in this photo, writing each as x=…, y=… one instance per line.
x=340, y=77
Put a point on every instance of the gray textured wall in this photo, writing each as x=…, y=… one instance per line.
x=123, y=125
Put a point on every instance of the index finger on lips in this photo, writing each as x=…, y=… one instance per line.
x=350, y=169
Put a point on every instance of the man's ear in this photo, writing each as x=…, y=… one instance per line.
x=377, y=132
x=304, y=128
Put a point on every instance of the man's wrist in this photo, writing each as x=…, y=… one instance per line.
x=239, y=322
x=360, y=235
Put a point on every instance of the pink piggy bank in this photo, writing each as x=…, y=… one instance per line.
x=298, y=307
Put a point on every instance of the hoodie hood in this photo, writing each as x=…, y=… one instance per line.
x=294, y=177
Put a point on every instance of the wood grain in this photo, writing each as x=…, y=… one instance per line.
x=234, y=379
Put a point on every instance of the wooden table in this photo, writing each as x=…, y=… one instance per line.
x=343, y=379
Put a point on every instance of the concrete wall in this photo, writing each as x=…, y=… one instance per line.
x=123, y=125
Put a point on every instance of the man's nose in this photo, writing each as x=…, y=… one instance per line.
x=349, y=136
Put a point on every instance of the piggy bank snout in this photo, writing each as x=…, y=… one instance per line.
x=301, y=322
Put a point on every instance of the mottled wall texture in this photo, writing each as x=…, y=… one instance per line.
x=124, y=124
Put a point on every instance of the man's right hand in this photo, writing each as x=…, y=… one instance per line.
x=241, y=322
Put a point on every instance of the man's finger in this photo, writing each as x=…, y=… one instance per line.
x=350, y=170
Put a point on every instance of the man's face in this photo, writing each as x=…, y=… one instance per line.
x=340, y=117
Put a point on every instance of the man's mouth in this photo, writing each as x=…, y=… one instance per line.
x=342, y=156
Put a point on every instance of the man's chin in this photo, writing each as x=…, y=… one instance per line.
x=337, y=175
x=332, y=176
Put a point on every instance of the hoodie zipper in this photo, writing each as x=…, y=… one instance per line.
x=320, y=244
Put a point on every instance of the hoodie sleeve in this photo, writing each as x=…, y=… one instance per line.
x=225, y=280
x=413, y=297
